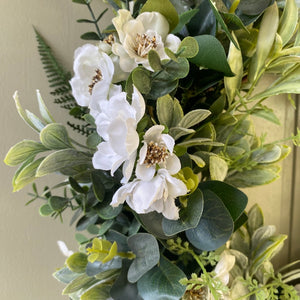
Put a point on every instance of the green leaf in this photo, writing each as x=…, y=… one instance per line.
x=85, y=221
x=288, y=21
x=55, y=136
x=184, y=18
x=188, y=216
x=154, y=60
x=215, y=226
x=77, y=262
x=162, y=282
x=105, y=226
x=164, y=110
x=122, y=289
x=23, y=113
x=65, y=275
x=266, y=37
x=211, y=55
x=222, y=23
x=90, y=36
x=188, y=47
x=98, y=187
x=177, y=70
x=98, y=292
x=82, y=1
x=20, y=152
x=217, y=168
x=266, y=113
x=37, y=123
x=233, y=21
x=145, y=247
x=267, y=154
x=255, y=219
x=82, y=281
x=85, y=21
x=61, y=159
x=106, y=211
x=98, y=267
x=47, y=117
x=141, y=79
x=93, y=140
x=177, y=132
x=45, y=210
x=261, y=234
x=199, y=142
x=27, y=174
x=253, y=7
x=235, y=61
x=234, y=199
x=57, y=203
x=266, y=251
x=194, y=117
x=240, y=241
x=166, y=8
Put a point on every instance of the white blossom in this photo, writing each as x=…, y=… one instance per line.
x=157, y=150
x=138, y=36
x=157, y=194
x=116, y=124
x=93, y=71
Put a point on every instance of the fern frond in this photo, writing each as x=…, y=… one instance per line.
x=82, y=129
x=58, y=79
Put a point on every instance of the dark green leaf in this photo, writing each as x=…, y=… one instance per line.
x=90, y=36
x=184, y=18
x=254, y=7
x=106, y=211
x=233, y=21
x=85, y=21
x=162, y=282
x=188, y=216
x=45, y=210
x=145, y=247
x=215, y=226
x=85, y=221
x=141, y=79
x=98, y=267
x=105, y=226
x=57, y=203
x=98, y=292
x=154, y=60
x=82, y=1
x=211, y=55
x=234, y=199
x=75, y=186
x=98, y=187
x=240, y=221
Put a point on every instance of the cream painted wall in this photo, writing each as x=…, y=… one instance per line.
x=29, y=254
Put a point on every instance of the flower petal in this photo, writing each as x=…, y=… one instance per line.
x=169, y=142
x=144, y=172
x=154, y=133
x=123, y=17
x=172, y=164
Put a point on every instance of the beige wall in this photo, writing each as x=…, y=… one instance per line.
x=28, y=252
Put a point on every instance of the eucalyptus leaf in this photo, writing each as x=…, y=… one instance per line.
x=141, y=79
x=98, y=187
x=154, y=60
x=97, y=267
x=105, y=226
x=253, y=7
x=45, y=210
x=188, y=47
x=215, y=226
x=20, y=152
x=65, y=275
x=85, y=221
x=90, y=36
x=77, y=262
x=146, y=249
x=98, y=292
x=188, y=216
x=82, y=281
x=184, y=18
x=162, y=282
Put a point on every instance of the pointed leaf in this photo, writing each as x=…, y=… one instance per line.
x=93, y=36
x=194, y=117
x=184, y=18
x=44, y=110
x=81, y=281
x=98, y=292
x=164, y=109
x=98, y=187
x=57, y=203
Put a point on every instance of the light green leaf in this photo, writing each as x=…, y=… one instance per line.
x=45, y=210
x=261, y=234
x=266, y=37
x=82, y=281
x=154, y=60
x=141, y=79
x=194, y=117
x=177, y=113
x=55, y=136
x=197, y=160
x=288, y=21
x=47, y=117
x=266, y=251
x=37, y=123
x=255, y=219
x=22, y=151
x=93, y=140
x=27, y=175
x=267, y=154
x=61, y=159
x=98, y=292
x=77, y=262
x=146, y=249
x=218, y=168
x=65, y=275
x=200, y=142
x=166, y=8
x=235, y=61
x=167, y=275
x=164, y=109
x=266, y=113
x=188, y=47
x=211, y=55
x=177, y=132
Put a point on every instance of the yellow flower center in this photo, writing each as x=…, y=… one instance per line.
x=144, y=44
x=109, y=40
x=155, y=154
x=98, y=77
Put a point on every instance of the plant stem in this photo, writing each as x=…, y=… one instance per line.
x=95, y=21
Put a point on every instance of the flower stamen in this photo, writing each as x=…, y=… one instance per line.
x=155, y=154
x=109, y=40
x=144, y=44
x=98, y=77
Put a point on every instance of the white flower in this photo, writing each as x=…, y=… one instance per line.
x=157, y=194
x=157, y=150
x=93, y=70
x=138, y=36
x=116, y=124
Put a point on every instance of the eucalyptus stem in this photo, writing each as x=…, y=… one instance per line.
x=95, y=20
